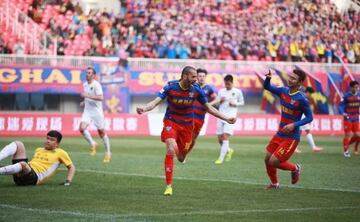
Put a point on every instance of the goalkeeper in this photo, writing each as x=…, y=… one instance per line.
x=43, y=164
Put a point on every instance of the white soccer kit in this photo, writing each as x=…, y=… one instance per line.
x=234, y=96
x=93, y=110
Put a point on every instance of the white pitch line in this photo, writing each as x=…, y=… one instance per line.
x=217, y=212
x=52, y=212
x=217, y=180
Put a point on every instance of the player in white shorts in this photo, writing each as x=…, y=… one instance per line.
x=93, y=113
x=229, y=99
x=307, y=127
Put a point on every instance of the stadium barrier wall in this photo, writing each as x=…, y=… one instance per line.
x=37, y=124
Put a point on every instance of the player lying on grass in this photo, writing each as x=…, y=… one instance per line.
x=43, y=165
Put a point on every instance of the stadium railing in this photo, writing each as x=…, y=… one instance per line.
x=37, y=41
x=170, y=64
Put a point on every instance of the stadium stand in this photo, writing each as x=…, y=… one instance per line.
x=265, y=30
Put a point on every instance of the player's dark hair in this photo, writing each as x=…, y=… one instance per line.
x=309, y=90
x=200, y=70
x=228, y=78
x=301, y=74
x=186, y=70
x=354, y=83
x=92, y=69
x=56, y=134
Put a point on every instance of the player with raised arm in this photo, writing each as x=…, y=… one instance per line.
x=283, y=144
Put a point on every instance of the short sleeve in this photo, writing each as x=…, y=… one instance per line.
x=164, y=91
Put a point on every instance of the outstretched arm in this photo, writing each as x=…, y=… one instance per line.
x=218, y=114
x=150, y=106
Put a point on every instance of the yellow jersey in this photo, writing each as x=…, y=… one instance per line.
x=45, y=162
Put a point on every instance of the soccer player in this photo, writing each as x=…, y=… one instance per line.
x=43, y=164
x=349, y=107
x=284, y=142
x=93, y=112
x=307, y=127
x=199, y=109
x=229, y=98
x=178, y=120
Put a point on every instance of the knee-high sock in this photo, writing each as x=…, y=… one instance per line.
x=224, y=149
x=356, y=147
x=169, y=168
x=272, y=173
x=88, y=137
x=8, y=150
x=11, y=169
x=287, y=166
x=353, y=139
x=106, y=144
x=346, y=144
x=310, y=140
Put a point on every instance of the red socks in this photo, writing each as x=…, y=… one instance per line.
x=353, y=139
x=287, y=166
x=271, y=171
x=346, y=143
x=169, y=168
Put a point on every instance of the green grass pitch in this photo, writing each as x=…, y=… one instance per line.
x=130, y=187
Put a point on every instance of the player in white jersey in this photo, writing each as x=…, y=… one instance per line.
x=93, y=112
x=229, y=98
x=307, y=127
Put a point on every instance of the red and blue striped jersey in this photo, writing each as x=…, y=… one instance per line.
x=180, y=101
x=350, y=105
x=199, y=109
x=292, y=108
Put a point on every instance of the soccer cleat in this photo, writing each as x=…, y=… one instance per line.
x=218, y=161
x=297, y=150
x=347, y=154
x=272, y=186
x=317, y=149
x=295, y=175
x=168, y=190
x=229, y=155
x=107, y=158
x=93, y=149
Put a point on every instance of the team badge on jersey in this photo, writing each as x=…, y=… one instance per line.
x=191, y=94
x=292, y=102
x=168, y=128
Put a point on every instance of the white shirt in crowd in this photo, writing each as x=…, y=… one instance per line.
x=93, y=107
x=235, y=96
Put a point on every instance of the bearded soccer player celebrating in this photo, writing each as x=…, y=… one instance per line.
x=178, y=120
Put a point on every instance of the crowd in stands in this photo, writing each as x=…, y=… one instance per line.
x=277, y=30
